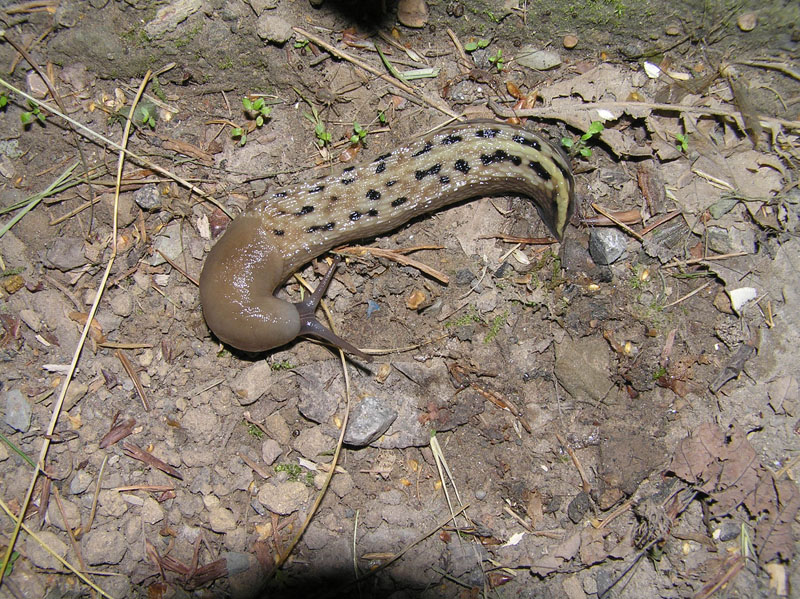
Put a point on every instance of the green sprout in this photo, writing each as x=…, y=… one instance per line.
x=146, y=114
x=581, y=146
x=472, y=46
x=34, y=113
x=301, y=44
x=323, y=137
x=495, y=326
x=360, y=133
x=682, y=142
x=381, y=117
x=257, y=111
x=3, y=100
x=253, y=430
x=497, y=60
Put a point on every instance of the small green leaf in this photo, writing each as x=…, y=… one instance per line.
x=470, y=46
x=567, y=142
x=586, y=152
x=3, y=100
x=248, y=105
x=258, y=104
x=26, y=118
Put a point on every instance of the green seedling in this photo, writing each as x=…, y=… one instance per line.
x=146, y=115
x=478, y=45
x=34, y=113
x=323, y=137
x=682, y=141
x=301, y=44
x=581, y=146
x=359, y=133
x=3, y=100
x=497, y=60
x=257, y=111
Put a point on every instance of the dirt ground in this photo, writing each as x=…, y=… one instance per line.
x=560, y=420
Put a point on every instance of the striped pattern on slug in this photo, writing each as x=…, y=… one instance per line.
x=293, y=225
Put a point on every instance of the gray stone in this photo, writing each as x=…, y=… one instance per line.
x=273, y=29
x=251, y=383
x=104, y=547
x=578, y=507
x=221, y=519
x=368, y=421
x=80, y=482
x=312, y=442
x=270, y=451
x=583, y=367
x=607, y=245
x=283, y=498
x=169, y=242
x=147, y=197
x=152, y=511
x=259, y=6
x=42, y=558
x=170, y=16
x=66, y=253
x=18, y=411
x=540, y=60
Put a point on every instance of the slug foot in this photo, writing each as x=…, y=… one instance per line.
x=311, y=326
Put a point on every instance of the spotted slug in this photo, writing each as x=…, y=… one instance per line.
x=291, y=226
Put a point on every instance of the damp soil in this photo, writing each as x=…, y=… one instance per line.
x=618, y=430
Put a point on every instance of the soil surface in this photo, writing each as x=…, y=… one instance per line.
x=612, y=416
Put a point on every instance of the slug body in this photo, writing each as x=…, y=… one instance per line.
x=291, y=226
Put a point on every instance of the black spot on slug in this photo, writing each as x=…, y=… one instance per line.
x=280, y=194
x=424, y=150
x=330, y=226
x=316, y=189
x=333, y=199
x=305, y=210
x=372, y=212
x=390, y=183
x=487, y=133
x=347, y=181
x=354, y=216
x=382, y=158
x=373, y=195
x=515, y=160
x=451, y=139
x=462, y=166
x=525, y=141
x=278, y=232
x=540, y=170
x=399, y=201
x=434, y=170
x=498, y=156
x=348, y=169
x=444, y=179
x=380, y=168
x=326, y=227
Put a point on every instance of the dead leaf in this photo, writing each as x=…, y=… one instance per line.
x=774, y=538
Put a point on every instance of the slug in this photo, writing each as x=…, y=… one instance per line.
x=291, y=226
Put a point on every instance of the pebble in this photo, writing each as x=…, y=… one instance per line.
x=32, y=319
x=104, y=547
x=412, y=13
x=570, y=41
x=273, y=29
x=259, y=6
x=221, y=519
x=251, y=383
x=148, y=197
x=747, y=21
x=18, y=410
x=583, y=367
x=312, y=442
x=122, y=304
x=270, y=451
x=368, y=421
x=152, y=512
x=80, y=482
x=169, y=242
x=606, y=245
x=540, y=60
x=578, y=507
x=40, y=557
x=283, y=498
x=66, y=253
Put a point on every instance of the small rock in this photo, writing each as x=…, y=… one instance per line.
x=259, y=6
x=152, y=512
x=104, y=547
x=18, y=411
x=221, y=519
x=75, y=392
x=747, y=21
x=42, y=558
x=36, y=85
x=606, y=246
x=278, y=429
x=32, y=319
x=728, y=531
x=270, y=451
x=412, y=13
x=283, y=498
x=170, y=16
x=148, y=197
x=540, y=60
x=673, y=29
x=169, y=242
x=583, y=367
x=578, y=507
x=368, y=421
x=570, y=41
x=273, y=29
x=70, y=510
x=251, y=383
x=311, y=443
x=66, y=253
x=80, y=482
x=342, y=484
x=111, y=503
x=122, y=304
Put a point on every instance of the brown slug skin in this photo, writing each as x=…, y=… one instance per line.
x=291, y=226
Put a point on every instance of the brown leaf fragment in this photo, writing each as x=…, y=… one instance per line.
x=137, y=453
x=696, y=453
x=593, y=548
x=743, y=100
x=734, y=366
x=117, y=433
x=739, y=475
x=774, y=538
